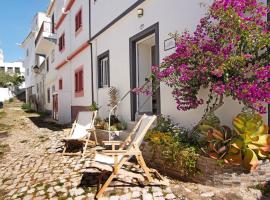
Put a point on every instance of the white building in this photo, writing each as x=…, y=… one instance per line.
x=35, y=66
x=11, y=68
x=101, y=44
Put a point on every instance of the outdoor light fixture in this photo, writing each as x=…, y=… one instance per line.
x=140, y=12
x=36, y=69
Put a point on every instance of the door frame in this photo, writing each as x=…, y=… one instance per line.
x=154, y=29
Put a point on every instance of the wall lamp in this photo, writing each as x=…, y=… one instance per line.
x=140, y=12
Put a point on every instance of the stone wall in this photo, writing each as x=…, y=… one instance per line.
x=211, y=172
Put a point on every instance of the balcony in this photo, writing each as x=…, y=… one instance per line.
x=46, y=39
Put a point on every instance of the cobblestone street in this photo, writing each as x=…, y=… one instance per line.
x=33, y=168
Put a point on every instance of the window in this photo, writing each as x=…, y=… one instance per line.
x=60, y=84
x=104, y=70
x=53, y=89
x=52, y=56
x=79, y=82
x=48, y=64
x=78, y=21
x=53, y=23
x=48, y=95
x=61, y=42
x=17, y=70
x=27, y=52
x=10, y=69
x=27, y=71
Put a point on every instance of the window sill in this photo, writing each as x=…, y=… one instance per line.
x=62, y=50
x=79, y=94
x=78, y=31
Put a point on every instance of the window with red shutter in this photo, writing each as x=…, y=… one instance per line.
x=60, y=84
x=79, y=83
x=61, y=42
x=78, y=21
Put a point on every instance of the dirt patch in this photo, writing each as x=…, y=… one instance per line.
x=3, y=134
x=3, y=149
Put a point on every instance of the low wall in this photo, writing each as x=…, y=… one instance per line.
x=211, y=172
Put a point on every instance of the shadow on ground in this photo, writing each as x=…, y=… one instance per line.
x=42, y=122
x=265, y=189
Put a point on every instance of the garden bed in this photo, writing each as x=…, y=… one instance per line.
x=210, y=172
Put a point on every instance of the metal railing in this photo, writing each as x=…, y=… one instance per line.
x=120, y=101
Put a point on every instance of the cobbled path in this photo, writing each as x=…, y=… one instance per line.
x=34, y=168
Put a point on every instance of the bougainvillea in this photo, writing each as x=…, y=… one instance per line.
x=227, y=54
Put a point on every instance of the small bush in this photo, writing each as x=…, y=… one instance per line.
x=175, y=153
x=26, y=106
x=11, y=100
x=2, y=113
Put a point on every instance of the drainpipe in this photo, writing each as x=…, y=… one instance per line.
x=91, y=54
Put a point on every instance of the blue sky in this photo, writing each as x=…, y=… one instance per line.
x=15, y=20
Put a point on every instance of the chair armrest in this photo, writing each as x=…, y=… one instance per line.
x=114, y=152
x=114, y=142
x=90, y=129
x=121, y=152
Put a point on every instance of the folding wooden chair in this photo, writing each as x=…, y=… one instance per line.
x=127, y=149
x=81, y=131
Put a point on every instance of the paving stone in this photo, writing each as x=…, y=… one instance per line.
x=76, y=191
x=136, y=194
x=170, y=196
x=208, y=194
x=147, y=196
x=114, y=198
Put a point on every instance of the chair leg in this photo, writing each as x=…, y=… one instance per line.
x=85, y=148
x=95, y=136
x=105, y=185
x=65, y=148
x=144, y=167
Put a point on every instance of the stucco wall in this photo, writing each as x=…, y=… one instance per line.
x=172, y=16
x=103, y=13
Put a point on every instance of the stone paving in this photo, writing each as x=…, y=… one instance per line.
x=34, y=169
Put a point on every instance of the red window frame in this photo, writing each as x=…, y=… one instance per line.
x=79, y=86
x=78, y=21
x=60, y=84
x=61, y=42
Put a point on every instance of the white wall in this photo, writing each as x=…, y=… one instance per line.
x=172, y=16
x=5, y=94
x=104, y=12
x=73, y=41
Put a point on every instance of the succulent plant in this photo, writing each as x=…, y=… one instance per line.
x=218, y=139
x=251, y=143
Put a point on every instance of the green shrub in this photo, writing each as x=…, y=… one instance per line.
x=175, y=153
x=2, y=113
x=26, y=106
x=10, y=100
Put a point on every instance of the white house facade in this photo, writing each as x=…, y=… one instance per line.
x=101, y=44
x=12, y=68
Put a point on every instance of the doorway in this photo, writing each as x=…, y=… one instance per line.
x=55, y=106
x=144, y=53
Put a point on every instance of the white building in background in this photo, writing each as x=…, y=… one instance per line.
x=11, y=68
x=35, y=66
x=101, y=44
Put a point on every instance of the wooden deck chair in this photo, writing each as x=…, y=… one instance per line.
x=81, y=131
x=127, y=149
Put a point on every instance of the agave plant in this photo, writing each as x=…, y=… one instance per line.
x=251, y=143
